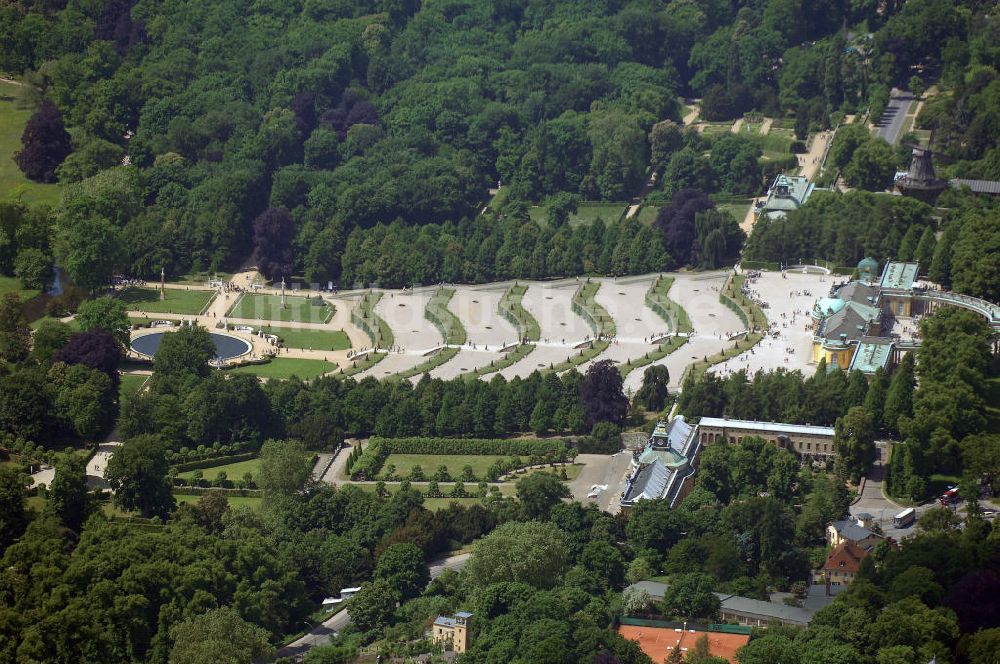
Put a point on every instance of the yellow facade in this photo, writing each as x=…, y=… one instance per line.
x=899, y=306
x=839, y=357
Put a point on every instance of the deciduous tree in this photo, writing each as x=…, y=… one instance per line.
x=137, y=473
x=404, y=567
x=539, y=492
x=273, y=236
x=45, y=143
x=285, y=467
x=68, y=493
x=854, y=440
x=15, y=335
x=601, y=394
x=221, y=632
x=532, y=552
x=105, y=313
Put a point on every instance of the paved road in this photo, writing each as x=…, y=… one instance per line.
x=601, y=469
x=322, y=633
x=890, y=124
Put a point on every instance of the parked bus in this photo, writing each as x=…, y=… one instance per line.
x=904, y=518
x=950, y=496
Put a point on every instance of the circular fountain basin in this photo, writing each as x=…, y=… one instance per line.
x=226, y=347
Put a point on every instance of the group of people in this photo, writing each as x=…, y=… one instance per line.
x=127, y=282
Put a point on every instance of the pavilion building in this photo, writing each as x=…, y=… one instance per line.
x=664, y=467
x=786, y=193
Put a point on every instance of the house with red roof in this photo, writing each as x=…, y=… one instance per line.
x=842, y=565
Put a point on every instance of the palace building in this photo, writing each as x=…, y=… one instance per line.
x=857, y=325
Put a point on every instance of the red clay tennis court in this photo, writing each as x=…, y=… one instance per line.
x=658, y=641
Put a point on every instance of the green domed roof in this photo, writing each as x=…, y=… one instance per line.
x=868, y=265
x=827, y=306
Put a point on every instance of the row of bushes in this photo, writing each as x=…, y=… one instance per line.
x=513, y=311
x=513, y=356
x=183, y=490
x=732, y=296
x=363, y=315
x=664, y=349
x=447, y=323
x=592, y=350
x=369, y=464
x=497, y=469
x=209, y=462
x=665, y=308
x=474, y=446
x=597, y=317
x=434, y=490
x=435, y=360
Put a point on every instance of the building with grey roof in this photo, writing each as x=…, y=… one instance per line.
x=742, y=610
x=848, y=530
x=786, y=193
x=810, y=443
x=987, y=187
x=661, y=468
x=873, y=353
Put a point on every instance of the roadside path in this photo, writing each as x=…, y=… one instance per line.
x=325, y=631
x=890, y=123
x=811, y=162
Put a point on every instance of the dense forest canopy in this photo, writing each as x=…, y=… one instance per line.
x=351, y=114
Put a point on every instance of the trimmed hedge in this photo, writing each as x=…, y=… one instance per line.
x=181, y=490
x=363, y=315
x=671, y=312
x=447, y=323
x=516, y=355
x=436, y=360
x=213, y=462
x=369, y=464
x=510, y=308
x=597, y=317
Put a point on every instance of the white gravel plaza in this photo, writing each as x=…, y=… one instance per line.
x=788, y=299
x=789, y=343
x=712, y=321
x=413, y=334
x=561, y=329
x=486, y=330
x=636, y=325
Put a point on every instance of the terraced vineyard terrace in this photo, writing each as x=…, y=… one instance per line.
x=363, y=316
x=447, y=323
x=511, y=308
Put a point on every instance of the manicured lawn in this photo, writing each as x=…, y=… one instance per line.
x=737, y=208
x=253, y=502
x=585, y=214
x=176, y=301
x=130, y=384
x=314, y=339
x=437, y=504
x=268, y=307
x=75, y=326
x=430, y=462
x=572, y=470
x=201, y=278
x=13, y=284
x=776, y=143
x=13, y=184
x=234, y=471
x=440, y=503
x=647, y=214
x=283, y=368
